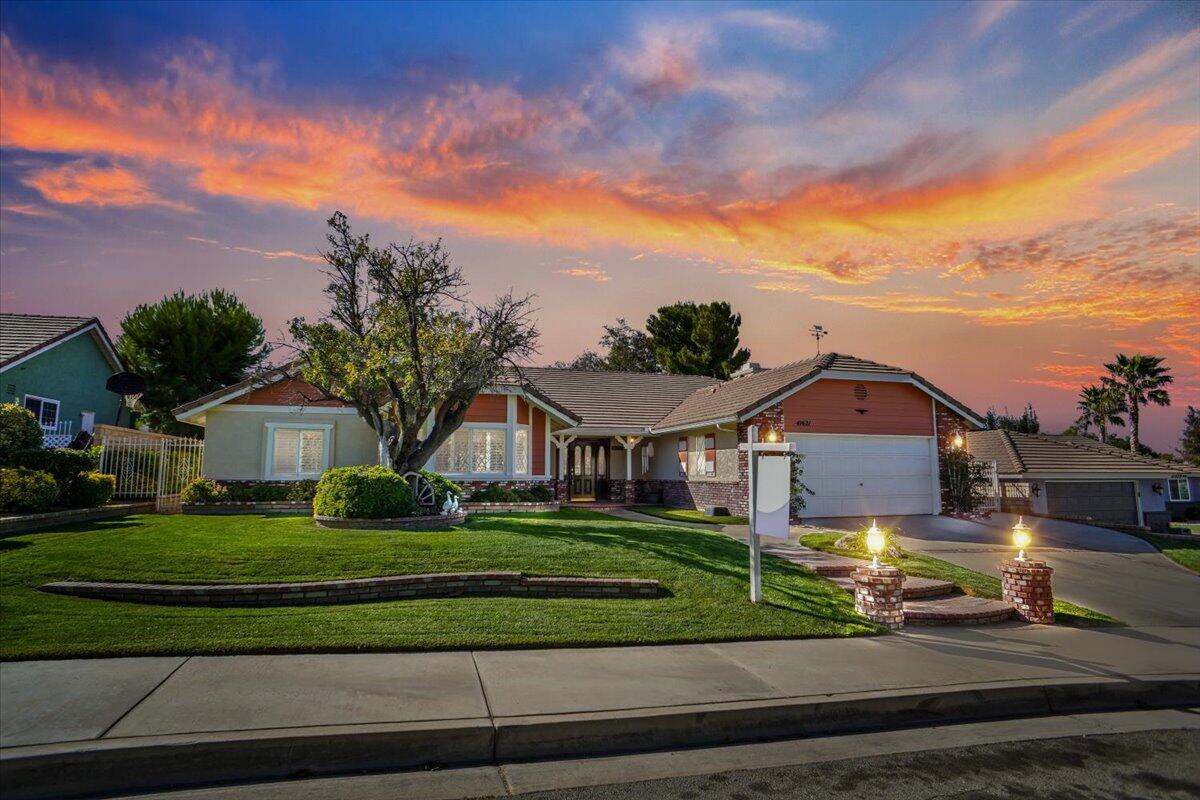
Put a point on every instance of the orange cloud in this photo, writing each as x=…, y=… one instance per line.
x=80, y=183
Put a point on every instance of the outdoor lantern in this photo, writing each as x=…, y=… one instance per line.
x=958, y=441
x=1157, y=488
x=875, y=543
x=771, y=435
x=1022, y=536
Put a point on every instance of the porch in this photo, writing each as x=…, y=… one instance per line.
x=591, y=472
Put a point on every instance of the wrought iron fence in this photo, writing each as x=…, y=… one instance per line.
x=152, y=468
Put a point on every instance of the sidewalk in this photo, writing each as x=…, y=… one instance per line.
x=328, y=712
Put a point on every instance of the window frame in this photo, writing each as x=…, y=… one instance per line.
x=473, y=426
x=42, y=401
x=1187, y=490
x=269, y=473
x=528, y=431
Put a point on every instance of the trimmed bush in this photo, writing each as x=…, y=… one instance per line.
x=26, y=490
x=202, y=490
x=63, y=463
x=493, y=493
x=363, y=493
x=442, y=486
x=301, y=491
x=89, y=490
x=19, y=430
x=541, y=494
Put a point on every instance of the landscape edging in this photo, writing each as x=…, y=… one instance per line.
x=427, y=522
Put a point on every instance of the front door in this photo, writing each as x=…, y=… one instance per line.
x=587, y=470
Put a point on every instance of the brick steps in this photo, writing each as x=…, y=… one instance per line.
x=914, y=588
x=956, y=610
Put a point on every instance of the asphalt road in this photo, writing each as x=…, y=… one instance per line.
x=1156, y=765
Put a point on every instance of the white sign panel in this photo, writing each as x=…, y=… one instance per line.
x=773, y=495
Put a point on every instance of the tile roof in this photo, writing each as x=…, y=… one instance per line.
x=1036, y=453
x=614, y=399
x=21, y=334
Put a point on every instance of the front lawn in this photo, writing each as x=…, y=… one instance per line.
x=971, y=582
x=1181, y=551
x=1186, y=527
x=689, y=515
x=704, y=574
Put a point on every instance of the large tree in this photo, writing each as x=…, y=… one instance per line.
x=1189, y=442
x=401, y=344
x=626, y=350
x=1100, y=406
x=1139, y=380
x=1027, y=422
x=691, y=339
x=186, y=346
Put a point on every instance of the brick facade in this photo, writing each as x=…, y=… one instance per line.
x=1026, y=587
x=879, y=595
x=949, y=424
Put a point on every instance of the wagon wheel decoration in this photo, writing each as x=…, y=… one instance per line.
x=422, y=489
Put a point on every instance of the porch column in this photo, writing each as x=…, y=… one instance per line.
x=562, y=443
x=629, y=442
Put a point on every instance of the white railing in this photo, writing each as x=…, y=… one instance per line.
x=59, y=435
x=990, y=494
x=154, y=468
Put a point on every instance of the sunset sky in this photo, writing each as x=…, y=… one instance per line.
x=998, y=195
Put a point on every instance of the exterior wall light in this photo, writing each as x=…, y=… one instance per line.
x=1036, y=488
x=1157, y=488
x=875, y=543
x=771, y=436
x=958, y=441
x=1022, y=536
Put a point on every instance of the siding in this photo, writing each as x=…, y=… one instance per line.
x=538, y=450
x=832, y=406
x=288, y=392
x=235, y=441
x=488, y=408
x=73, y=373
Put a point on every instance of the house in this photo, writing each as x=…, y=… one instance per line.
x=872, y=434
x=56, y=367
x=1183, y=495
x=1074, y=477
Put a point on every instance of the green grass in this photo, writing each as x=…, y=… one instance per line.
x=1181, y=551
x=704, y=574
x=971, y=582
x=1186, y=527
x=689, y=515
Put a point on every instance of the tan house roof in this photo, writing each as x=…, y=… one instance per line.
x=740, y=396
x=634, y=400
x=23, y=335
x=1036, y=454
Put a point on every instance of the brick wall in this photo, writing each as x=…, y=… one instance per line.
x=949, y=423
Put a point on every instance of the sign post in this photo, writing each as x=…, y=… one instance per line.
x=770, y=499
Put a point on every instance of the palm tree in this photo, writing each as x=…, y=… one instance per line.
x=1100, y=406
x=1138, y=380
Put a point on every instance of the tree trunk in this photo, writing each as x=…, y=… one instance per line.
x=1133, y=426
x=1103, y=434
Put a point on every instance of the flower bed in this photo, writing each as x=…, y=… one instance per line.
x=426, y=522
x=360, y=590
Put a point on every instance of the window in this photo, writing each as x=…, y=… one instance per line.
x=45, y=409
x=1179, y=490
x=297, y=451
x=473, y=450
x=701, y=455
x=521, y=451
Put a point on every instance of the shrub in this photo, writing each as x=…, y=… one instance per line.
x=19, y=430
x=202, y=490
x=541, y=494
x=493, y=493
x=301, y=491
x=442, y=486
x=89, y=490
x=363, y=493
x=522, y=495
x=63, y=463
x=26, y=490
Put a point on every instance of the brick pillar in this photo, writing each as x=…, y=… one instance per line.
x=879, y=595
x=630, y=492
x=560, y=490
x=1027, y=589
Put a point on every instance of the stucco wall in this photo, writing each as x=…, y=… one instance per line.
x=235, y=440
x=664, y=465
x=73, y=373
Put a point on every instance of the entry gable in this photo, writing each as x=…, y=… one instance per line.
x=859, y=407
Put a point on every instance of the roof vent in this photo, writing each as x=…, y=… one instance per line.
x=749, y=368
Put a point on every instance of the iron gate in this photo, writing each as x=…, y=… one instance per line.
x=152, y=467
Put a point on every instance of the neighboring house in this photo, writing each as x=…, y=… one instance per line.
x=1183, y=494
x=56, y=367
x=1074, y=477
x=872, y=434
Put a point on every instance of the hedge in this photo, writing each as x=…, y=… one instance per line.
x=89, y=490
x=363, y=493
x=26, y=490
x=19, y=431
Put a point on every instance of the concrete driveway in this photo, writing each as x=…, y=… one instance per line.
x=1115, y=573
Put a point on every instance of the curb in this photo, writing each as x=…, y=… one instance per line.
x=74, y=769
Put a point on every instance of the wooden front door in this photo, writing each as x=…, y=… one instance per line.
x=587, y=470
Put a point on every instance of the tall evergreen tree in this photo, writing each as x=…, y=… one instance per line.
x=626, y=350
x=691, y=339
x=1139, y=380
x=186, y=346
x=1189, y=442
x=1027, y=422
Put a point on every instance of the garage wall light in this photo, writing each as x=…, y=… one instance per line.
x=1157, y=488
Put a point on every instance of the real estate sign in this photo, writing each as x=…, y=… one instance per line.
x=773, y=495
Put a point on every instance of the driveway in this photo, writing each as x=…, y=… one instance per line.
x=1115, y=573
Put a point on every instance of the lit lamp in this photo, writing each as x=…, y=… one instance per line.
x=875, y=543
x=958, y=441
x=771, y=435
x=1022, y=536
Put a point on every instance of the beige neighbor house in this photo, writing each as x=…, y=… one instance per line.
x=872, y=435
x=1078, y=478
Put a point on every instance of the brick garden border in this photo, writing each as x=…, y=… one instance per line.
x=551, y=505
x=18, y=523
x=362, y=590
x=427, y=522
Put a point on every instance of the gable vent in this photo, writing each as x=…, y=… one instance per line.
x=860, y=392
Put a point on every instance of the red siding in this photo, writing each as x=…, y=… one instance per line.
x=522, y=412
x=287, y=392
x=488, y=408
x=538, y=451
x=833, y=406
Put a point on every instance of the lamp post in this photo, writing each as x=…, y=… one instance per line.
x=875, y=543
x=1022, y=536
x=775, y=520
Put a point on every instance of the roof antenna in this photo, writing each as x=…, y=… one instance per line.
x=818, y=332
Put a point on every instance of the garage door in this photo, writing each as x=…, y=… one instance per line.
x=855, y=476
x=1103, y=501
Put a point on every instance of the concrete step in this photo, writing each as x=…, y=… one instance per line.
x=914, y=588
x=956, y=610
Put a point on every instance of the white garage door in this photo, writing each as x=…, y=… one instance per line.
x=857, y=476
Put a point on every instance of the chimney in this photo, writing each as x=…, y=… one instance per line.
x=749, y=368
